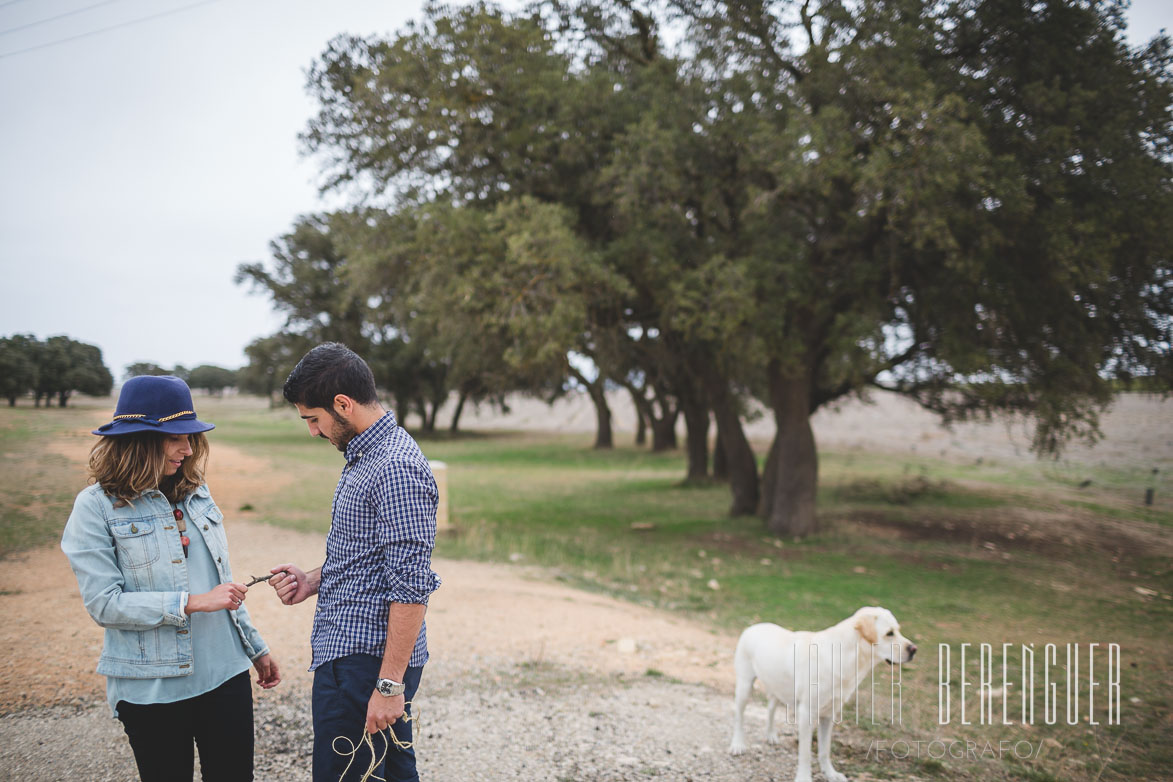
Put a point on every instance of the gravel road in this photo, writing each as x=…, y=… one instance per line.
x=555, y=725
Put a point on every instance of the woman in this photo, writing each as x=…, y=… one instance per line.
x=147, y=545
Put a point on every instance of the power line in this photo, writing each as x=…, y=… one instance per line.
x=58, y=16
x=99, y=31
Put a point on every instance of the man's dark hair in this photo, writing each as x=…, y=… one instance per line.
x=325, y=372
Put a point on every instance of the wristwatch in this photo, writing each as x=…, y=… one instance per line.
x=389, y=687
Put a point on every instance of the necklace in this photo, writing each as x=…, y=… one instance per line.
x=181, y=525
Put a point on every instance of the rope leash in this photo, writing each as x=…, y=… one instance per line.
x=366, y=740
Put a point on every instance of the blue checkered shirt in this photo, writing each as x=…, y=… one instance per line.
x=379, y=549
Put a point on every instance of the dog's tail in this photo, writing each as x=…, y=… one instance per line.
x=743, y=662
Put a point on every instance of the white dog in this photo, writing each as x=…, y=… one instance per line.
x=782, y=660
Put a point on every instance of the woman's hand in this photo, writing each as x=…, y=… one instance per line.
x=224, y=597
x=267, y=674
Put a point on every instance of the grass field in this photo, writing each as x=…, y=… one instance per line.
x=961, y=553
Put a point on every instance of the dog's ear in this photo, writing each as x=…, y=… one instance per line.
x=865, y=625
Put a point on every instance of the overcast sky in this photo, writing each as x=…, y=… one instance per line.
x=141, y=164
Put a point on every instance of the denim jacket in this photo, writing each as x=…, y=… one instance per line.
x=132, y=574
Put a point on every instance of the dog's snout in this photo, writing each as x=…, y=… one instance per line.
x=911, y=651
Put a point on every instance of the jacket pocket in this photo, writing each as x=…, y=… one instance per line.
x=136, y=543
x=211, y=522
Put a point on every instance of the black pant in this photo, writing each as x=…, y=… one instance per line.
x=220, y=722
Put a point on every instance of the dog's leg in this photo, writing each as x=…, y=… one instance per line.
x=805, y=734
x=825, y=726
x=745, y=679
x=772, y=735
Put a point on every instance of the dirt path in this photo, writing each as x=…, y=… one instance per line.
x=483, y=616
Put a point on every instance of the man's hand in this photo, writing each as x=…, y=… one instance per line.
x=267, y=674
x=292, y=584
x=383, y=711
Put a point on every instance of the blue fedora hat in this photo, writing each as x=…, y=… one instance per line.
x=154, y=403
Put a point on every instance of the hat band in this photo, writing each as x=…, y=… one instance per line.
x=142, y=418
x=147, y=420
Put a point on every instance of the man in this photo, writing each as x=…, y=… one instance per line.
x=369, y=639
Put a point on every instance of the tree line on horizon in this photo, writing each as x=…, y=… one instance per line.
x=207, y=377
x=54, y=368
x=710, y=203
x=58, y=367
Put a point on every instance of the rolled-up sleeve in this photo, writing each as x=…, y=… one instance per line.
x=405, y=498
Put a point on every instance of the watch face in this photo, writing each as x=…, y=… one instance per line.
x=389, y=687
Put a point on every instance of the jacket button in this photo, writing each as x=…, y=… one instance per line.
x=181, y=632
x=219, y=560
x=205, y=526
x=177, y=562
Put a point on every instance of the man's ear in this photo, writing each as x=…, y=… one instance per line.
x=343, y=405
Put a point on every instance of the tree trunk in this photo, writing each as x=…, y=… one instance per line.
x=12, y=401
x=641, y=420
x=455, y=425
x=603, y=435
x=664, y=431
x=769, y=472
x=720, y=462
x=737, y=453
x=62, y=398
x=793, y=478
x=696, y=422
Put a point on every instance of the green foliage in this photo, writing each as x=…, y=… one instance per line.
x=966, y=203
x=270, y=360
x=307, y=282
x=87, y=373
x=145, y=368
x=18, y=366
x=212, y=379
x=57, y=367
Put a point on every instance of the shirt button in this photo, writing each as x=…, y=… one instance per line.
x=218, y=559
x=205, y=526
x=177, y=562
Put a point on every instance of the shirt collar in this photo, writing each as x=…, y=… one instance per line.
x=369, y=436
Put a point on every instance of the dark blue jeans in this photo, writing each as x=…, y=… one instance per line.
x=342, y=689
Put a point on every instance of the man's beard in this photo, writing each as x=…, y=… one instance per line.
x=344, y=432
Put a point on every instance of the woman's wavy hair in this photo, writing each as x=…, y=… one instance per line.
x=127, y=465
